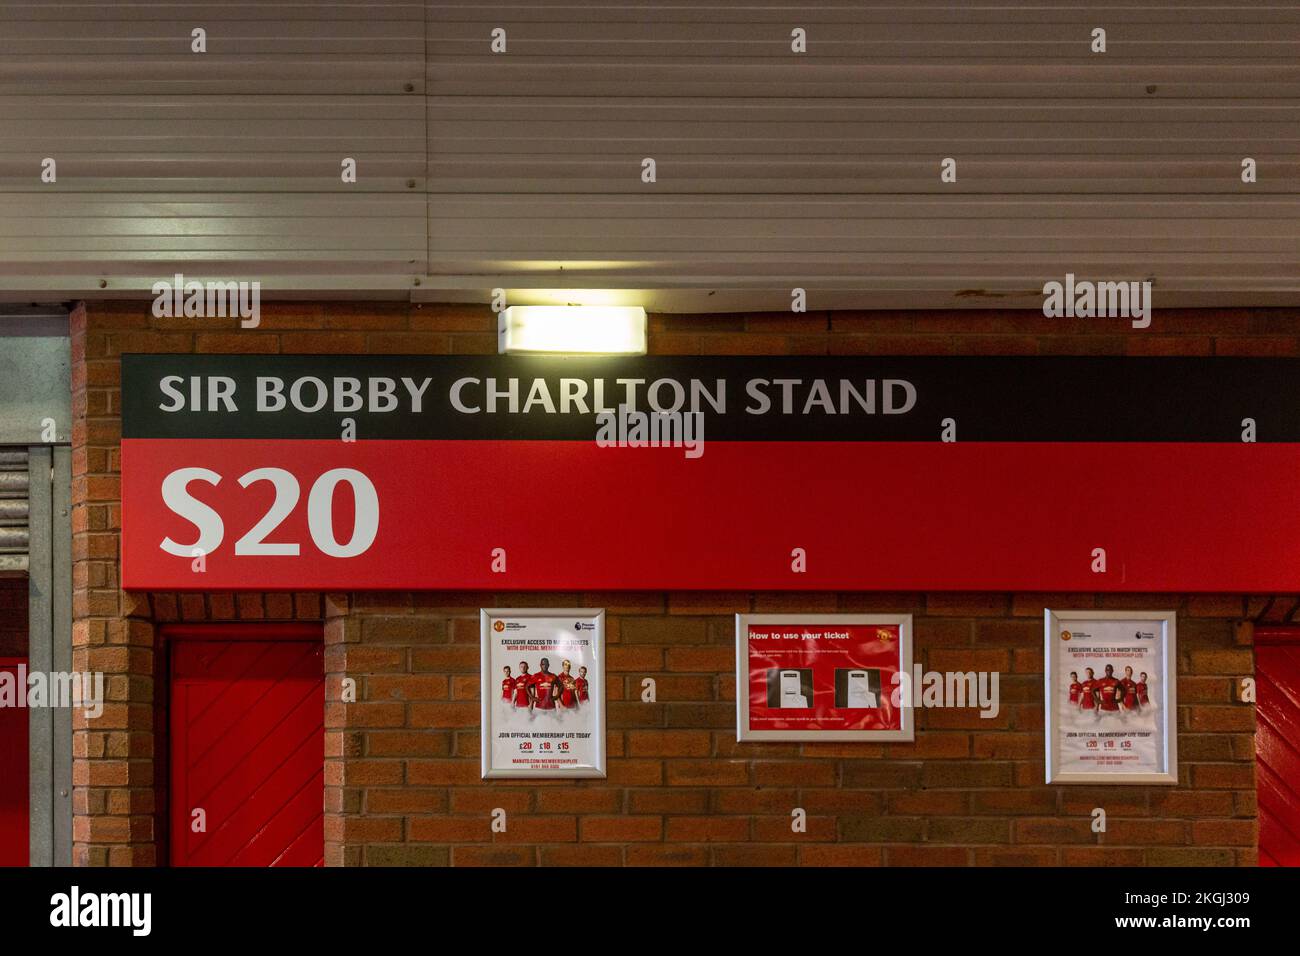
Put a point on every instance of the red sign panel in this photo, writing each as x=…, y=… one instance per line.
x=573, y=516
x=291, y=472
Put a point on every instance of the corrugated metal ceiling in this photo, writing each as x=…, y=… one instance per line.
x=774, y=169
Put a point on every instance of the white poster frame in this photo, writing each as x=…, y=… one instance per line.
x=488, y=686
x=1167, y=695
x=906, y=730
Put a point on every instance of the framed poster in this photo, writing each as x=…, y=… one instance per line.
x=823, y=676
x=1110, y=684
x=543, y=690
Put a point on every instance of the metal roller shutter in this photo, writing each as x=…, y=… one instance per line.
x=14, y=534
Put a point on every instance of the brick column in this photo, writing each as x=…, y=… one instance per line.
x=343, y=799
x=113, y=799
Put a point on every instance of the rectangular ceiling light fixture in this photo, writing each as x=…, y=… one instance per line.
x=573, y=329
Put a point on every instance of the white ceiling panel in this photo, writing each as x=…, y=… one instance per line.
x=773, y=169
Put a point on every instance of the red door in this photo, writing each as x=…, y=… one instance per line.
x=14, y=825
x=1277, y=744
x=247, y=747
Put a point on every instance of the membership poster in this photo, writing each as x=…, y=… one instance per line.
x=822, y=677
x=543, y=680
x=1110, y=713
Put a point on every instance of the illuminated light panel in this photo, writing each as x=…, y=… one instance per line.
x=575, y=330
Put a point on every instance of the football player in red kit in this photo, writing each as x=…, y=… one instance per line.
x=507, y=685
x=544, y=688
x=582, y=684
x=1075, y=687
x=568, y=685
x=1108, y=691
x=1128, y=688
x=1143, y=700
x=1088, y=691
x=522, y=685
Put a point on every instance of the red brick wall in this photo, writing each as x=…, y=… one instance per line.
x=402, y=764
